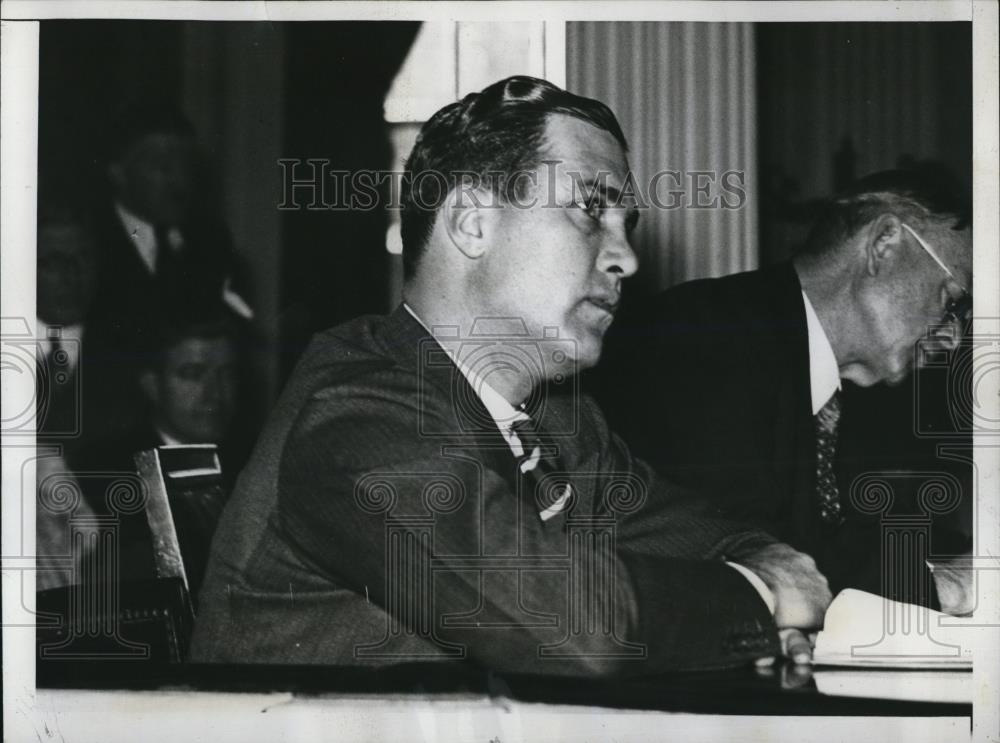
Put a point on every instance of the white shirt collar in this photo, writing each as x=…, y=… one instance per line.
x=143, y=236
x=501, y=411
x=824, y=373
x=69, y=335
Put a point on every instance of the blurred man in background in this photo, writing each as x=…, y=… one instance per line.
x=162, y=233
x=193, y=383
x=66, y=282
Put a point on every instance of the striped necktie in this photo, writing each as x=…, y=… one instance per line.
x=551, y=495
x=827, y=422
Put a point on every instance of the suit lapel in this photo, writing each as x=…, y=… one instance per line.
x=795, y=442
x=460, y=419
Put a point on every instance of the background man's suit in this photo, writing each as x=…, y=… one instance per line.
x=710, y=383
x=85, y=406
x=130, y=296
x=298, y=570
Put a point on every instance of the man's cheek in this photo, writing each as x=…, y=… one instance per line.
x=183, y=391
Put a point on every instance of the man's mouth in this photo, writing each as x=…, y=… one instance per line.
x=608, y=304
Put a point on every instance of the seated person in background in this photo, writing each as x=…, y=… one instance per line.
x=192, y=382
x=76, y=377
x=732, y=386
x=431, y=485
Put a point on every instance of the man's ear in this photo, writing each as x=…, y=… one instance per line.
x=149, y=386
x=883, y=242
x=466, y=221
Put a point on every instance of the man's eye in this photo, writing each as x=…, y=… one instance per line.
x=592, y=209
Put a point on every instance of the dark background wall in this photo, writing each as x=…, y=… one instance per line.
x=839, y=100
x=86, y=68
x=337, y=76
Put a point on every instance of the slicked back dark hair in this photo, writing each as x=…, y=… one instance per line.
x=492, y=136
x=918, y=195
x=177, y=322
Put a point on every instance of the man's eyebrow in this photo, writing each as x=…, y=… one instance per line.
x=608, y=193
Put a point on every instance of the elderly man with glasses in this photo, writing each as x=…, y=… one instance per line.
x=734, y=386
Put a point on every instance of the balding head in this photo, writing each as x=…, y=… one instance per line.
x=887, y=264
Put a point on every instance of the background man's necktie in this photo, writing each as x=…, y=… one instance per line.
x=549, y=496
x=45, y=367
x=168, y=263
x=827, y=423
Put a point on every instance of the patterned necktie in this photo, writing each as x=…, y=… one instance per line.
x=538, y=462
x=827, y=422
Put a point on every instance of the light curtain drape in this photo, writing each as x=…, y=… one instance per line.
x=685, y=95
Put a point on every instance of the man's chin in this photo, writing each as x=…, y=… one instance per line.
x=869, y=379
x=898, y=379
x=588, y=353
x=859, y=375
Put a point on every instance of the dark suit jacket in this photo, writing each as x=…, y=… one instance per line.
x=130, y=296
x=376, y=447
x=710, y=382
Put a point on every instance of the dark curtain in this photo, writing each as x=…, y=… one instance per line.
x=335, y=261
x=840, y=100
x=85, y=70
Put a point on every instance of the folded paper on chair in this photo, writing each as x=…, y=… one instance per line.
x=865, y=630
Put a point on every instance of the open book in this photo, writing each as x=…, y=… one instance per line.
x=862, y=629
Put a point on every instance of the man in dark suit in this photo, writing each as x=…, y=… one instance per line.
x=66, y=410
x=78, y=375
x=160, y=232
x=733, y=385
x=432, y=485
x=193, y=384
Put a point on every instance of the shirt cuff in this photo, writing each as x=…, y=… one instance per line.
x=757, y=583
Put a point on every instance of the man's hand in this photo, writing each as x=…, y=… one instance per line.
x=795, y=645
x=953, y=580
x=801, y=593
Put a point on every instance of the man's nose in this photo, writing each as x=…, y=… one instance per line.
x=618, y=257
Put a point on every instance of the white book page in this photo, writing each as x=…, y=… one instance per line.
x=862, y=629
